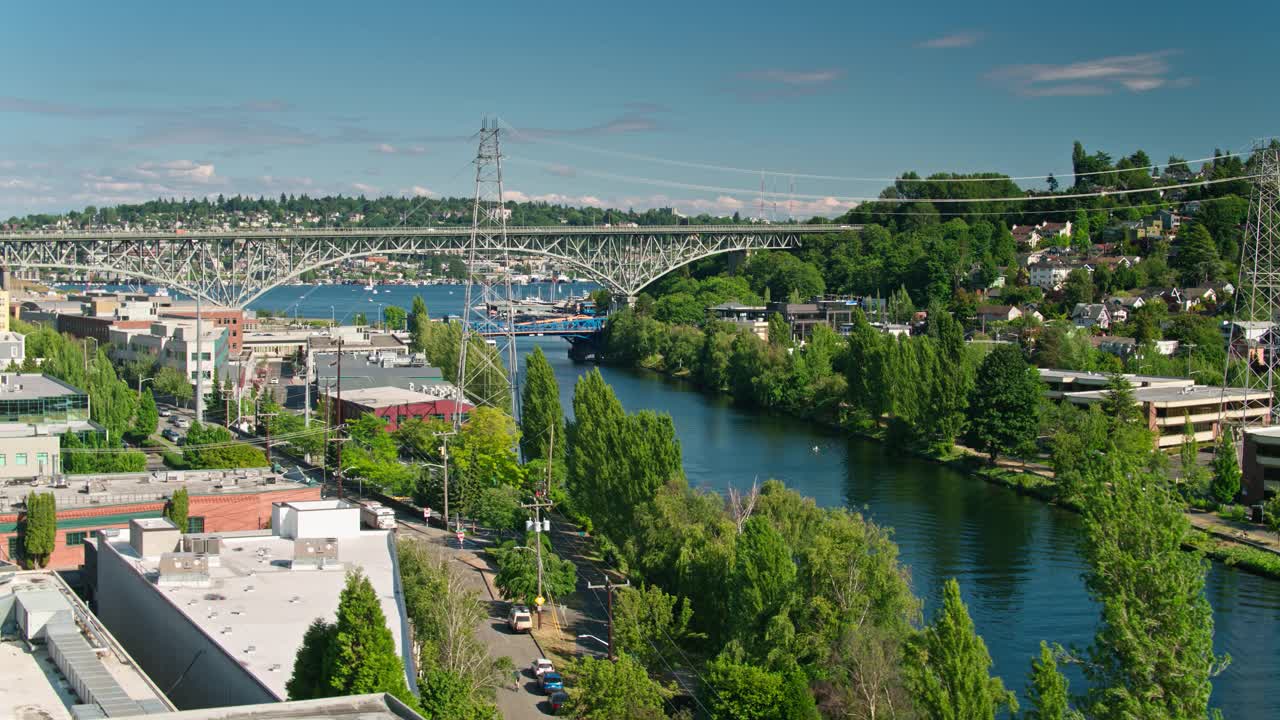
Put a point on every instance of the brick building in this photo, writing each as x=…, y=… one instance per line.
x=395, y=404
x=208, y=511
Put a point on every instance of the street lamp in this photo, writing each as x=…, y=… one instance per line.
x=85, y=343
x=593, y=637
x=333, y=317
x=142, y=380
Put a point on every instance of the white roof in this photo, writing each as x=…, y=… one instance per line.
x=268, y=606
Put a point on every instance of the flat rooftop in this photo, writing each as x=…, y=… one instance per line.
x=256, y=608
x=144, y=487
x=1179, y=396
x=30, y=386
x=1085, y=376
x=35, y=687
x=386, y=396
x=351, y=707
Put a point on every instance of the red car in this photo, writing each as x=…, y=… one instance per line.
x=557, y=701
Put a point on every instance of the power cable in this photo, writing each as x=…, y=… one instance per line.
x=852, y=200
x=837, y=178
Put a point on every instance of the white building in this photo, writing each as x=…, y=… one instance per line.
x=1048, y=274
x=13, y=348
x=232, y=608
x=173, y=343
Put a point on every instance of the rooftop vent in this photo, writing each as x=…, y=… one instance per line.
x=183, y=569
x=315, y=553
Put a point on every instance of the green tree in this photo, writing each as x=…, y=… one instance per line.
x=1118, y=403
x=362, y=655
x=947, y=667
x=764, y=578
x=310, y=673
x=901, y=309
x=147, y=418
x=1047, y=689
x=741, y=691
x=39, y=529
x=646, y=619
x=419, y=326
x=171, y=382
x=542, y=417
x=779, y=331
x=1077, y=288
x=394, y=317
x=1225, y=485
x=517, y=576
x=1197, y=257
x=1152, y=655
x=603, y=690
x=1002, y=415
x=177, y=508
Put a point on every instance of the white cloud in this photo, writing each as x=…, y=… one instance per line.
x=1142, y=72
x=365, y=189
x=389, y=149
x=419, y=191
x=179, y=170
x=962, y=39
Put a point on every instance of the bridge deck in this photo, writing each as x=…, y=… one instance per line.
x=460, y=231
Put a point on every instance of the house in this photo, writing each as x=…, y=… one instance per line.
x=1030, y=310
x=1089, y=315
x=1049, y=274
x=1200, y=296
x=1033, y=235
x=997, y=313
x=1121, y=347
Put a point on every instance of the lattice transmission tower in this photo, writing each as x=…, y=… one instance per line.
x=488, y=313
x=1258, y=292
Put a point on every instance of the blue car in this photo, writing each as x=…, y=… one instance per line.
x=551, y=681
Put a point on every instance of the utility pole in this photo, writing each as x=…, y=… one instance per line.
x=199, y=340
x=306, y=394
x=337, y=472
x=609, y=586
x=444, y=454
x=541, y=499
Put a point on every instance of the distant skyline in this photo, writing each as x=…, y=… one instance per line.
x=103, y=104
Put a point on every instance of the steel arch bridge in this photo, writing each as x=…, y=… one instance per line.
x=233, y=268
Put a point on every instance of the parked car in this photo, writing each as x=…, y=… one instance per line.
x=540, y=666
x=550, y=682
x=558, y=700
x=519, y=619
x=181, y=422
x=165, y=412
x=171, y=435
x=275, y=380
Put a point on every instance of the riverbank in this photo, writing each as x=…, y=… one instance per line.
x=1032, y=480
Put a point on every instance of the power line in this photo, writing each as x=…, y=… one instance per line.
x=866, y=199
x=835, y=178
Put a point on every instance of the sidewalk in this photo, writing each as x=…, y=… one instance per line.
x=528, y=702
x=1234, y=531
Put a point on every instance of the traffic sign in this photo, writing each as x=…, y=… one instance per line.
x=539, y=600
x=458, y=535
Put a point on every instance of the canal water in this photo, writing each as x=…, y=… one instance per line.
x=1017, y=559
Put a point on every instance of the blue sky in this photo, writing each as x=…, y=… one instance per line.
x=103, y=103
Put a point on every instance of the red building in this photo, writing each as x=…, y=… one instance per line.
x=395, y=405
x=222, y=512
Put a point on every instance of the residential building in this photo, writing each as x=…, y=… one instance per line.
x=174, y=344
x=59, y=662
x=1058, y=383
x=835, y=313
x=230, y=318
x=1091, y=315
x=358, y=339
x=1043, y=231
x=219, y=501
x=1166, y=409
x=754, y=318
x=13, y=348
x=997, y=313
x=4, y=310
x=396, y=404
x=232, y=609
x=1048, y=274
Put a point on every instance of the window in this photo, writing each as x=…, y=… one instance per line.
x=21, y=458
x=42, y=459
x=15, y=549
x=195, y=524
x=75, y=538
x=3, y=460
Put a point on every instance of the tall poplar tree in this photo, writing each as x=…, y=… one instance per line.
x=947, y=667
x=1152, y=656
x=177, y=508
x=39, y=529
x=1225, y=485
x=1047, y=689
x=541, y=415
